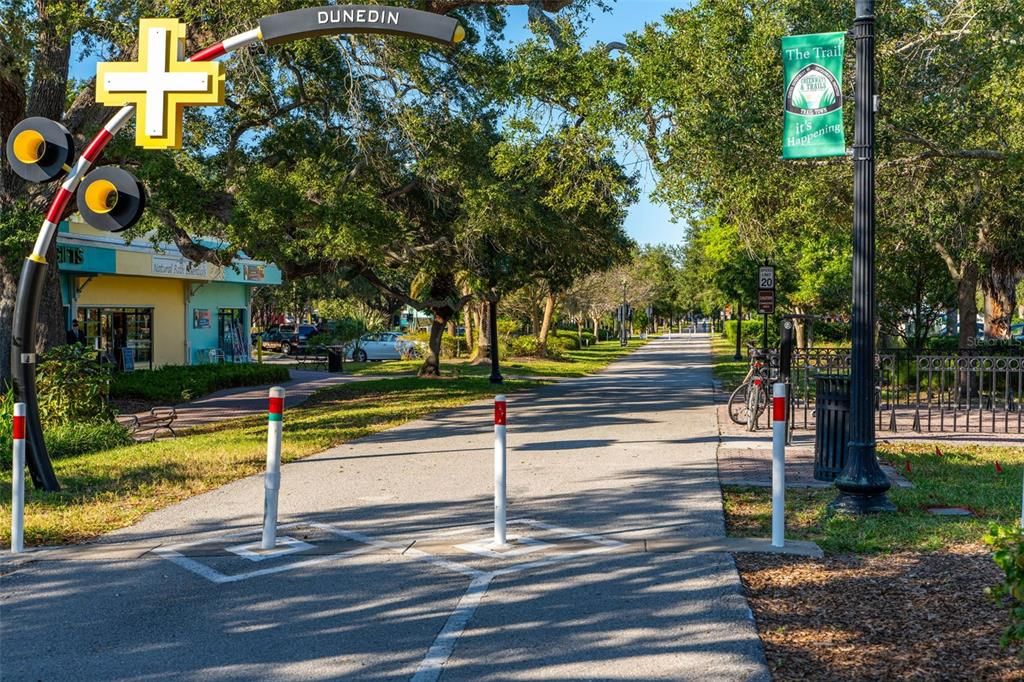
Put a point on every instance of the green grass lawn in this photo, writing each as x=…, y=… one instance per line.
x=964, y=476
x=107, y=490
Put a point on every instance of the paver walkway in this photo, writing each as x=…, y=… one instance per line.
x=614, y=574
x=232, y=403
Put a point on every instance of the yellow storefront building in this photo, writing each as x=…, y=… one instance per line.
x=149, y=306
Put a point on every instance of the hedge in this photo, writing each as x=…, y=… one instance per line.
x=176, y=383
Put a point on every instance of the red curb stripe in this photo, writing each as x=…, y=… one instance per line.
x=18, y=430
x=60, y=202
x=211, y=52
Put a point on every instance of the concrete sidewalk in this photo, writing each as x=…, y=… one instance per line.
x=618, y=569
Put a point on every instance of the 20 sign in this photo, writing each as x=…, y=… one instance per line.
x=766, y=277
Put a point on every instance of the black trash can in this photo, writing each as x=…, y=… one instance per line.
x=832, y=425
x=335, y=360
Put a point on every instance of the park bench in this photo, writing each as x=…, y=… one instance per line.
x=312, y=356
x=158, y=419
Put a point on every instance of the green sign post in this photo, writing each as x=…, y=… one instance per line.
x=813, y=124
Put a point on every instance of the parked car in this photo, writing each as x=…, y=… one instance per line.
x=287, y=338
x=380, y=346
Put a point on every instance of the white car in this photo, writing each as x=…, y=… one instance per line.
x=381, y=346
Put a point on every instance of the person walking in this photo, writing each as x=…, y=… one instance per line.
x=75, y=335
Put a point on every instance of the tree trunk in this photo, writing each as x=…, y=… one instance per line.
x=999, y=284
x=432, y=363
x=545, y=325
x=482, y=352
x=467, y=317
x=967, y=303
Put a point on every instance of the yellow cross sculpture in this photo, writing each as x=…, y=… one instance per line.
x=160, y=84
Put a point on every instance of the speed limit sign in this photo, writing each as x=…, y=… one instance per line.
x=766, y=277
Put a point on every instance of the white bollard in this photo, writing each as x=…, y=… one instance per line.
x=272, y=479
x=779, y=465
x=500, y=463
x=18, y=480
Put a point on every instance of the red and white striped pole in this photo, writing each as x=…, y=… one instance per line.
x=778, y=465
x=500, y=450
x=272, y=479
x=18, y=480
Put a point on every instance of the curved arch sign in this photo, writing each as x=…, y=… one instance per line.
x=158, y=85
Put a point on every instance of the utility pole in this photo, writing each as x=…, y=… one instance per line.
x=862, y=484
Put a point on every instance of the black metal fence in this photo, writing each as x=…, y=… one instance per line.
x=974, y=390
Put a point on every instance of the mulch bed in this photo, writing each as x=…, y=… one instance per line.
x=907, y=616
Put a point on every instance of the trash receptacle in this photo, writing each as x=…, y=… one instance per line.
x=832, y=425
x=335, y=360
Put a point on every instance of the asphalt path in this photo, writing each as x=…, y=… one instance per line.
x=389, y=574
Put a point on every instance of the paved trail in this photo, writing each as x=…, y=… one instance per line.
x=612, y=482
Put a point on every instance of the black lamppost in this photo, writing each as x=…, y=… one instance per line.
x=622, y=317
x=862, y=484
x=492, y=316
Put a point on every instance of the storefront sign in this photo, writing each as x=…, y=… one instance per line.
x=168, y=266
x=70, y=255
x=813, y=118
x=201, y=318
x=254, y=273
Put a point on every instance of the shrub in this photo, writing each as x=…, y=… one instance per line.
x=68, y=440
x=572, y=337
x=559, y=347
x=753, y=331
x=72, y=386
x=175, y=383
x=1007, y=543
x=525, y=346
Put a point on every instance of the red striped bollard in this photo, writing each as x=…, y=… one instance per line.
x=779, y=465
x=500, y=498
x=18, y=480
x=272, y=479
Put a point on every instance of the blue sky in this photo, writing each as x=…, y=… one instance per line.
x=648, y=223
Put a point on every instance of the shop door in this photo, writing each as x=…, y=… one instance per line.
x=231, y=332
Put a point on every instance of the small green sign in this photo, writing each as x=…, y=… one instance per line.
x=813, y=119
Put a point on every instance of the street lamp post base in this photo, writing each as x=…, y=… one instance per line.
x=851, y=503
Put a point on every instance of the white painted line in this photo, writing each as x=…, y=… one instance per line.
x=486, y=548
x=444, y=644
x=571, y=533
x=175, y=555
x=216, y=576
x=285, y=546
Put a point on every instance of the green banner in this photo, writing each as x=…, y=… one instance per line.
x=813, y=120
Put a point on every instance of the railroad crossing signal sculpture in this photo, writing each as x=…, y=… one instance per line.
x=159, y=85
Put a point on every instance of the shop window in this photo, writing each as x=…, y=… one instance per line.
x=109, y=330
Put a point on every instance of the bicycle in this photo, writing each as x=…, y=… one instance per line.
x=745, y=405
